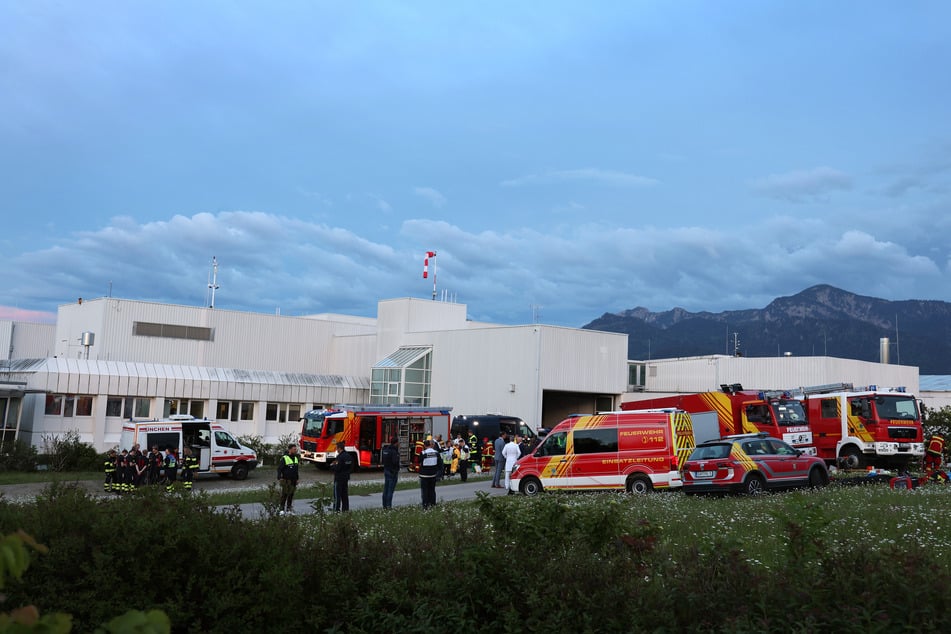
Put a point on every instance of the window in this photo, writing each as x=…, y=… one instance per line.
x=143, y=407
x=196, y=408
x=781, y=449
x=114, y=406
x=247, y=411
x=68, y=403
x=172, y=331
x=224, y=439
x=595, y=441
x=173, y=406
x=554, y=445
x=223, y=410
x=83, y=406
x=294, y=412
x=403, y=377
x=54, y=404
x=829, y=408
x=272, y=411
x=636, y=376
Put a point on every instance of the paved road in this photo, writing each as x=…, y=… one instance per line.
x=262, y=477
x=448, y=492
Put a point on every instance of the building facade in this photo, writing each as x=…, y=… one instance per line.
x=114, y=359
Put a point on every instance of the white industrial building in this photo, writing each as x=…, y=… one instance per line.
x=686, y=375
x=108, y=360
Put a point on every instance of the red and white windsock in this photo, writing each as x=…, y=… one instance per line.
x=429, y=254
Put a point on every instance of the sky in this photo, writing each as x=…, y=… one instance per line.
x=563, y=159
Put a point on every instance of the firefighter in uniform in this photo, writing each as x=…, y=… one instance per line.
x=417, y=451
x=934, y=455
x=109, y=468
x=128, y=472
x=474, y=450
x=171, y=469
x=488, y=455
x=189, y=466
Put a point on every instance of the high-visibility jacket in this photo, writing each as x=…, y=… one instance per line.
x=936, y=445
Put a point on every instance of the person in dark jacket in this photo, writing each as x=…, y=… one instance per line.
x=171, y=469
x=288, y=473
x=342, y=466
x=109, y=468
x=156, y=460
x=390, y=457
x=189, y=467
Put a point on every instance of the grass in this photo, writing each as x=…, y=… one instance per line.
x=763, y=527
x=34, y=477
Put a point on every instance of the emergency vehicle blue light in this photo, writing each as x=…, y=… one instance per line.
x=761, y=396
x=872, y=388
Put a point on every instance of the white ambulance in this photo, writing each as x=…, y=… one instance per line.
x=216, y=449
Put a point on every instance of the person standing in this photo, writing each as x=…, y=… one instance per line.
x=155, y=465
x=390, y=457
x=288, y=473
x=189, y=467
x=342, y=466
x=171, y=469
x=474, y=450
x=511, y=452
x=463, y=461
x=429, y=467
x=498, y=446
x=109, y=468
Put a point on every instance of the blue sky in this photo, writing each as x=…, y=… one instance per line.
x=563, y=159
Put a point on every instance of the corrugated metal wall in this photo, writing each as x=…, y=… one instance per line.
x=700, y=374
x=241, y=340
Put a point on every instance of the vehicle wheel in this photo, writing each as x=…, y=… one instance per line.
x=639, y=485
x=531, y=486
x=239, y=472
x=852, y=458
x=818, y=478
x=754, y=485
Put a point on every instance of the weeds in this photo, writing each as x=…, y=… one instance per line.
x=863, y=559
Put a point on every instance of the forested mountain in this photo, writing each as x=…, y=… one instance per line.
x=821, y=320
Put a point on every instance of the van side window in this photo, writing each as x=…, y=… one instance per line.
x=554, y=445
x=595, y=441
x=225, y=440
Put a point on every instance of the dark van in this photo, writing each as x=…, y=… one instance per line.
x=490, y=426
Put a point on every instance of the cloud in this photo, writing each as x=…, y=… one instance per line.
x=13, y=313
x=435, y=198
x=803, y=185
x=576, y=271
x=589, y=174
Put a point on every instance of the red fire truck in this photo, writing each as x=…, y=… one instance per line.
x=366, y=428
x=858, y=427
x=734, y=410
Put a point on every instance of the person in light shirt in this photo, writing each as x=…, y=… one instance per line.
x=511, y=452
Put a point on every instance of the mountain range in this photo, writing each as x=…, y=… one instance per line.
x=819, y=321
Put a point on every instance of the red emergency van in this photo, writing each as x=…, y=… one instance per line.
x=633, y=451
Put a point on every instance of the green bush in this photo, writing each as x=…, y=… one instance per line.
x=18, y=456
x=69, y=453
x=586, y=563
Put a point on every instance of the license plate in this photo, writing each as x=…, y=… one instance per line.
x=703, y=475
x=904, y=446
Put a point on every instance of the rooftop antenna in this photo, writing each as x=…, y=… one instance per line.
x=213, y=284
